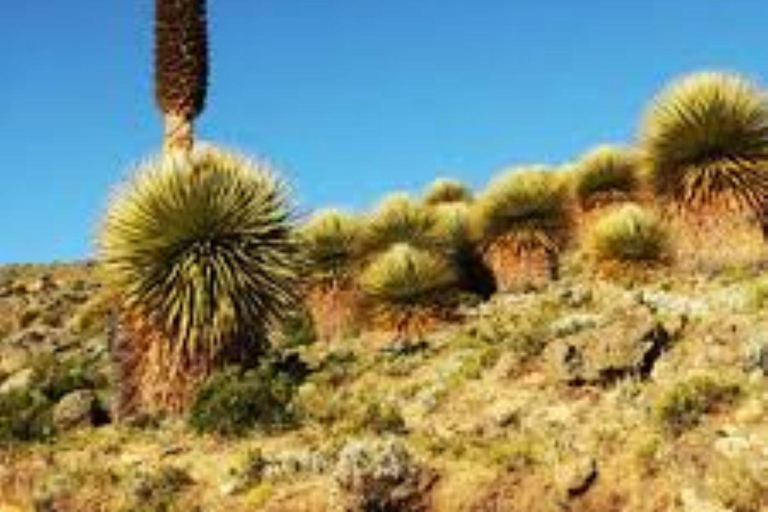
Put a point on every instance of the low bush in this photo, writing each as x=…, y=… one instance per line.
x=235, y=401
x=684, y=405
x=25, y=415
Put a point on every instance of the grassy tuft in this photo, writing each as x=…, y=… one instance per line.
x=683, y=406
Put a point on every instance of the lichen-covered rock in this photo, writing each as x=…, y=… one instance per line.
x=77, y=409
x=627, y=345
x=19, y=380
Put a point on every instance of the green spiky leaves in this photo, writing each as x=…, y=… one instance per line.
x=606, y=175
x=181, y=57
x=399, y=219
x=202, y=250
x=444, y=190
x=332, y=242
x=629, y=234
x=528, y=207
x=405, y=275
x=706, y=141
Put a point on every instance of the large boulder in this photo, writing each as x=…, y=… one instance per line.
x=626, y=344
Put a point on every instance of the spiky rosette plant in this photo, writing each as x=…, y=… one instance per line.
x=399, y=219
x=629, y=235
x=181, y=68
x=332, y=243
x=522, y=222
x=445, y=190
x=606, y=175
x=202, y=261
x=705, y=139
x=410, y=289
x=455, y=228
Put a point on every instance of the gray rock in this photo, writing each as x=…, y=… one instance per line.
x=21, y=379
x=573, y=324
x=13, y=359
x=77, y=409
x=627, y=345
x=756, y=354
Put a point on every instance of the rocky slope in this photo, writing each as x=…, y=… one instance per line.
x=590, y=395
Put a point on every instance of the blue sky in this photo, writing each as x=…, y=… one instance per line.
x=351, y=99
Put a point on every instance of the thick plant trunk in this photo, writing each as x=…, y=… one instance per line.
x=179, y=135
x=518, y=270
x=152, y=379
x=335, y=310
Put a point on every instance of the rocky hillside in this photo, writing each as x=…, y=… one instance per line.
x=638, y=394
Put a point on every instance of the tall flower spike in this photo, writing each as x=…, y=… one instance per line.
x=181, y=69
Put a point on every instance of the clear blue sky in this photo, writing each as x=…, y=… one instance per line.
x=350, y=98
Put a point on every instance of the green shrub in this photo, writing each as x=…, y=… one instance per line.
x=233, y=402
x=629, y=234
x=158, y=490
x=25, y=415
x=683, y=406
x=382, y=418
x=55, y=377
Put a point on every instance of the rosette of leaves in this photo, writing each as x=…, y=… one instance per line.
x=606, y=175
x=202, y=260
x=410, y=289
x=446, y=190
x=522, y=222
x=705, y=138
x=629, y=235
x=399, y=219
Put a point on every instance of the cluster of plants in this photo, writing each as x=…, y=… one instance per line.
x=700, y=155
x=204, y=262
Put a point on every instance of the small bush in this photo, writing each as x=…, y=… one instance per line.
x=382, y=476
x=234, y=401
x=683, y=406
x=382, y=418
x=25, y=415
x=55, y=378
x=629, y=234
x=157, y=491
